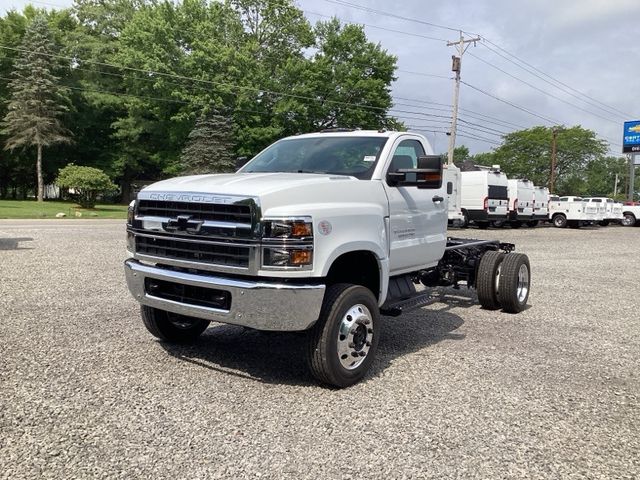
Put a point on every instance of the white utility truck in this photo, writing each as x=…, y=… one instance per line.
x=568, y=211
x=521, y=202
x=631, y=214
x=607, y=210
x=540, y=206
x=485, y=195
x=321, y=233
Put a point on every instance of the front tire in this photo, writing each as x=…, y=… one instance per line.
x=342, y=344
x=514, y=283
x=171, y=327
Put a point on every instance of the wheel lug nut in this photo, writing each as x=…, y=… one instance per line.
x=352, y=345
x=366, y=321
x=353, y=331
x=362, y=354
x=354, y=354
x=370, y=330
x=368, y=344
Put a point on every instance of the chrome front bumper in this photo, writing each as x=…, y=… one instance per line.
x=254, y=304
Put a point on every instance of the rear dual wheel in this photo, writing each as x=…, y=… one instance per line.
x=503, y=280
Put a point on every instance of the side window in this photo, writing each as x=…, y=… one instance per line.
x=406, y=155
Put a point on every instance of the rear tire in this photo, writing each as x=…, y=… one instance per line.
x=342, y=344
x=628, y=220
x=487, y=279
x=515, y=282
x=560, y=221
x=171, y=327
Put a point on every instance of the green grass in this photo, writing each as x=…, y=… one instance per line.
x=49, y=209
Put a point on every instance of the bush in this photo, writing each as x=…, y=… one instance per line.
x=84, y=183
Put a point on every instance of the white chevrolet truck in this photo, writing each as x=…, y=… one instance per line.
x=321, y=233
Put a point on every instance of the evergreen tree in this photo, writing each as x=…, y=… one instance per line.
x=209, y=148
x=37, y=100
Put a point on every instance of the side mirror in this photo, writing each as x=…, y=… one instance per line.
x=241, y=162
x=427, y=175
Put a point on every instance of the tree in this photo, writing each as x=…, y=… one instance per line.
x=527, y=154
x=86, y=182
x=37, y=99
x=209, y=148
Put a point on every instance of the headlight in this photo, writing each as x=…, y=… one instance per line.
x=298, y=228
x=287, y=243
x=287, y=256
x=131, y=213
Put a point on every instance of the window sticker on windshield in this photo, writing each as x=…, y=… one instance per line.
x=369, y=158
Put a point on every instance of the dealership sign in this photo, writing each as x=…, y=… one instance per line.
x=631, y=137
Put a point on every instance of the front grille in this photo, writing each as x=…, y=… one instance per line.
x=174, y=248
x=188, y=294
x=201, y=211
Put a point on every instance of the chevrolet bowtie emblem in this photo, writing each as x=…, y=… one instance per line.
x=183, y=223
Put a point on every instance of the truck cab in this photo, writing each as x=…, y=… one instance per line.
x=320, y=233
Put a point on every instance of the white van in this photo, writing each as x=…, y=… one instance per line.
x=595, y=209
x=569, y=210
x=485, y=195
x=452, y=179
x=540, y=205
x=521, y=201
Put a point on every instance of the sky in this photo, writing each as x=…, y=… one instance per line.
x=588, y=45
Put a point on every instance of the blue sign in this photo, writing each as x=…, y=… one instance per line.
x=631, y=137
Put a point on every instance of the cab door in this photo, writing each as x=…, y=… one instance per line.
x=417, y=217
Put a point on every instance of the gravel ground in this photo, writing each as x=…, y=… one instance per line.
x=456, y=391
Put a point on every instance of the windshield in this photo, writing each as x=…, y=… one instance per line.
x=356, y=156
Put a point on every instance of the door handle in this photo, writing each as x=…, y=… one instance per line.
x=437, y=199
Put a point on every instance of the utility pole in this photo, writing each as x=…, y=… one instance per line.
x=632, y=175
x=615, y=187
x=554, y=159
x=461, y=46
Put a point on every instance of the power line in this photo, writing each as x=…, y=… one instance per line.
x=411, y=34
x=626, y=115
x=541, y=90
x=530, y=112
x=391, y=15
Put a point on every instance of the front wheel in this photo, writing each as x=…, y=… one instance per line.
x=343, y=342
x=171, y=327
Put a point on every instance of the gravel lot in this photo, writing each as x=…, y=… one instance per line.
x=456, y=391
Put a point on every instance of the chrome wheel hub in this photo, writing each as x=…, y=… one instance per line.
x=355, y=336
x=523, y=283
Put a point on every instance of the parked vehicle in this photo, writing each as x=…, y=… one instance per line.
x=608, y=210
x=521, y=202
x=568, y=211
x=540, y=205
x=321, y=233
x=595, y=210
x=631, y=214
x=454, y=196
x=485, y=196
